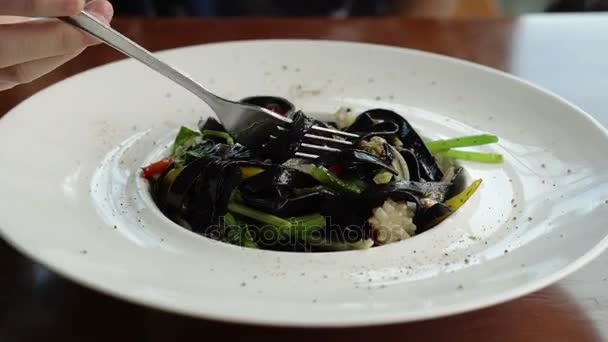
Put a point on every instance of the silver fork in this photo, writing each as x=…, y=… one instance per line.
x=250, y=125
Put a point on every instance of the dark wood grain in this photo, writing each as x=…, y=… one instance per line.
x=486, y=42
x=36, y=304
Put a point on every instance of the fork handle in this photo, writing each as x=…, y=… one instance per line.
x=88, y=23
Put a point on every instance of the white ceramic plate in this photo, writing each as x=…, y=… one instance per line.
x=70, y=196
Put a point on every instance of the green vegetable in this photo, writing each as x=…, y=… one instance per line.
x=473, y=140
x=193, y=153
x=294, y=226
x=334, y=246
x=383, y=177
x=305, y=225
x=474, y=156
x=183, y=140
x=459, y=200
x=260, y=216
x=218, y=134
x=238, y=234
x=324, y=176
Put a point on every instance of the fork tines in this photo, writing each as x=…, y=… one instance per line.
x=317, y=142
x=315, y=145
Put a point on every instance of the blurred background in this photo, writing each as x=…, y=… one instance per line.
x=346, y=8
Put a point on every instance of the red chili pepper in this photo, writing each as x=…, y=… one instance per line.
x=156, y=168
x=336, y=169
x=275, y=108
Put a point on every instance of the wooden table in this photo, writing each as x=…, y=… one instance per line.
x=567, y=54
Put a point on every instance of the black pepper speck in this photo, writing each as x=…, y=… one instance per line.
x=243, y=284
x=84, y=251
x=529, y=219
x=506, y=251
x=543, y=166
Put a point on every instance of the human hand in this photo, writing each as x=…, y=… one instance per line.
x=32, y=48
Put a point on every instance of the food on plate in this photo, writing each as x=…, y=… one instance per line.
x=389, y=186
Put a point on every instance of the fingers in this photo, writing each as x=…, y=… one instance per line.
x=29, y=71
x=6, y=19
x=31, y=49
x=41, y=8
x=101, y=9
x=24, y=42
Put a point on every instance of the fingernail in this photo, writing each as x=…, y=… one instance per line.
x=103, y=11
